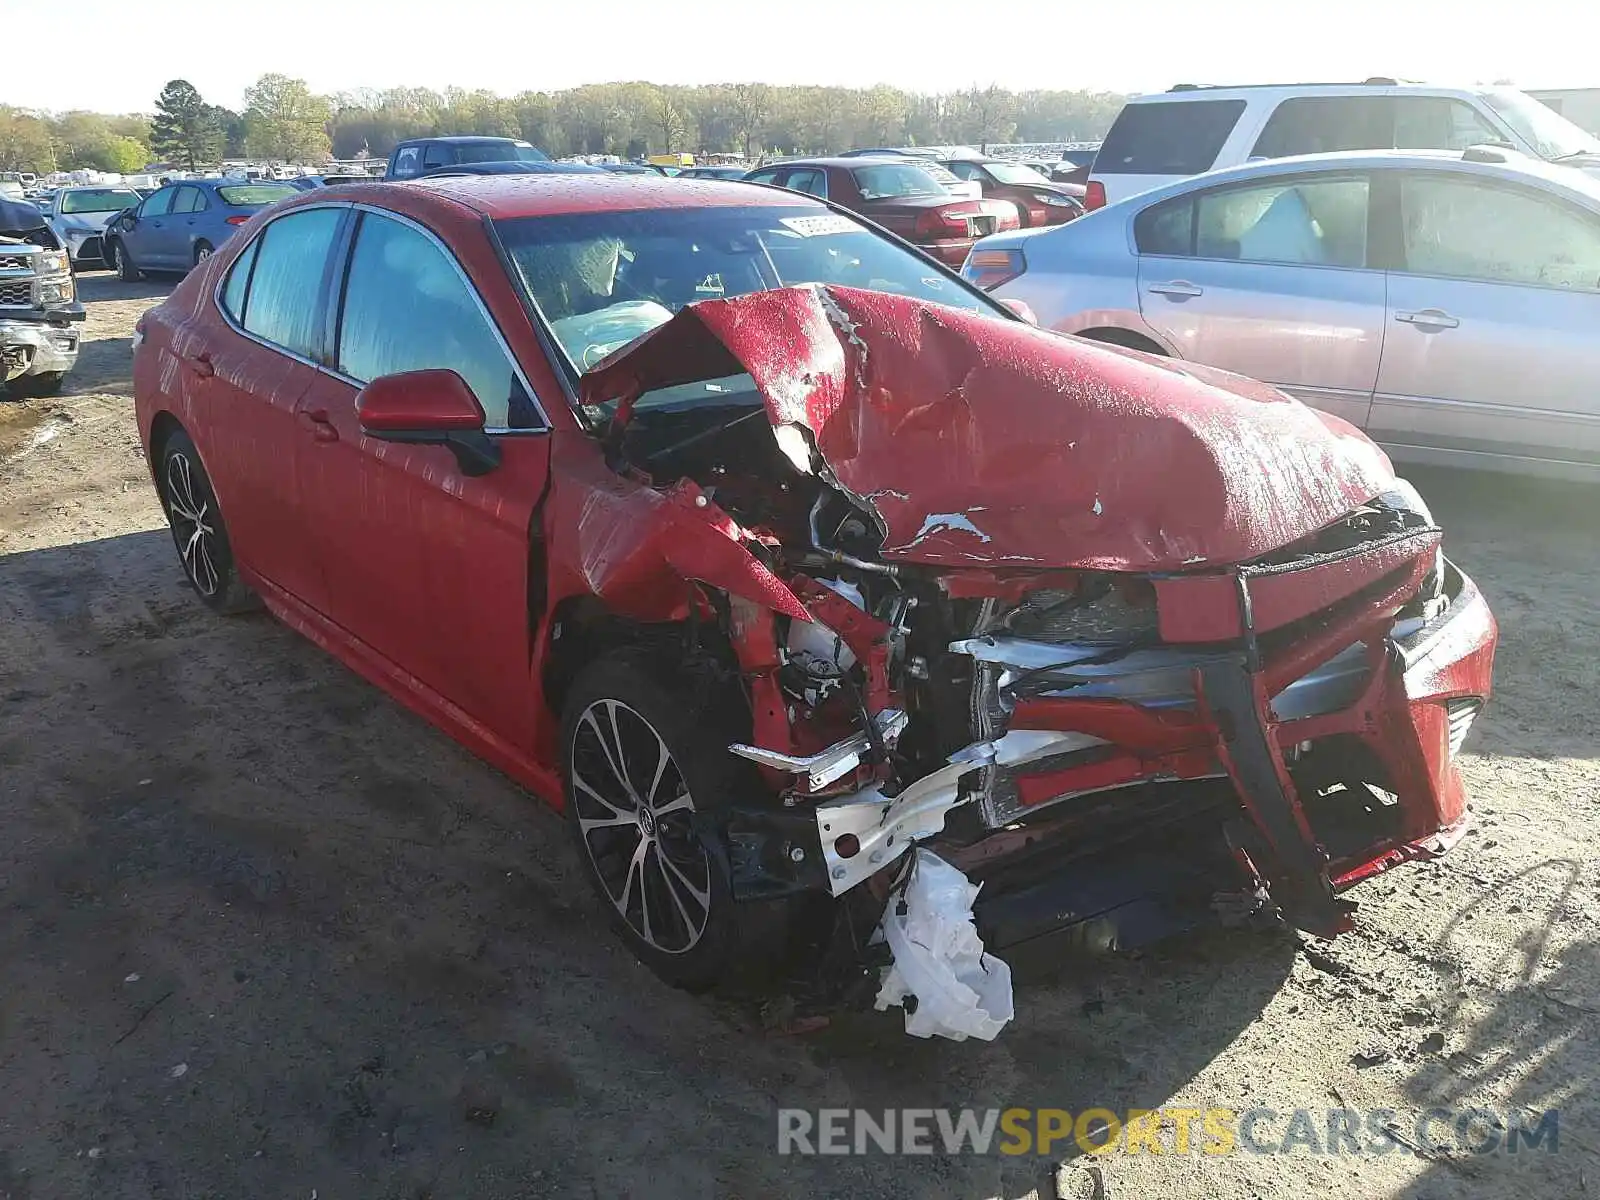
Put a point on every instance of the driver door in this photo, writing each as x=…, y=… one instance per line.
x=435, y=570
x=150, y=241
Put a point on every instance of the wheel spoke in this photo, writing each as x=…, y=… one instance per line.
x=702, y=896
x=605, y=747
x=663, y=761
x=209, y=568
x=679, y=803
x=620, y=762
x=635, y=869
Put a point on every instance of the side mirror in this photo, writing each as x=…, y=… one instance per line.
x=1020, y=307
x=434, y=408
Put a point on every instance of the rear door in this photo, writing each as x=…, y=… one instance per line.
x=153, y=239
x=188, y=208
x=251, y=381
x=1492, y=318
x=1270, y=279
x=432, y=569
x=1159, y=141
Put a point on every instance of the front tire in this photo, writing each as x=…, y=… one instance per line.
x=645, y=763
x=198, y=530
x=123, y=265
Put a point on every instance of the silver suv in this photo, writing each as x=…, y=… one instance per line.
x=1447, y=304
x=1162, y=138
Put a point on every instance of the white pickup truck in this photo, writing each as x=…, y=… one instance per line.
x=41, y=317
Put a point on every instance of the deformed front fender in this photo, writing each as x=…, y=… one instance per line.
x=641, y=551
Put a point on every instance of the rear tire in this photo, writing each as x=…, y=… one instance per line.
x=123, y=265
x=198, y=530
x=202, y=251
x=641, y=832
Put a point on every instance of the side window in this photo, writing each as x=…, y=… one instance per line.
x=408, y=308
x=764, y=177
x=1466, y=230
x=233, y=292
x=1167, y=137
x=158, y=204
x=1166, y=228
x=964, y=170
x=407, y=162
x=282, y=306
x=810, y=181
x=1439, y=123
x=438, y=155
x=1319, y=124
x=1316, y=222
x=186, y=200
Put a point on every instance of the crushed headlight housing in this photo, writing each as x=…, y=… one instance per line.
x=52, y=263
x=55, y=293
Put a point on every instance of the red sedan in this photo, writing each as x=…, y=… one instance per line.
x=901, y=196
x=764, y=549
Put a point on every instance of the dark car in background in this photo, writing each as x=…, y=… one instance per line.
x=901, y=196
x=1038, y=201
x=423, y=156
x=179, y=226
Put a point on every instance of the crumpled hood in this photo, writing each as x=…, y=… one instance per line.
x=983, y=441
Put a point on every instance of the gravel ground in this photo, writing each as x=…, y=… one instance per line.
x=262, y=933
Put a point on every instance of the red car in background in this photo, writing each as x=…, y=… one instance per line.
x=764, y=549
x=1038, y=200
x=900, y=195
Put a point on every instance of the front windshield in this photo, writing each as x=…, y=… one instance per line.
x=98, y=200
x=602, y=279
x=1015, y=173
x=890, y=180
x=1547, y=131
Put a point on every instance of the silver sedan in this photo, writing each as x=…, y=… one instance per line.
x=1448, y=304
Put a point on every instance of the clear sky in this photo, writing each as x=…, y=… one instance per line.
x=115, y=57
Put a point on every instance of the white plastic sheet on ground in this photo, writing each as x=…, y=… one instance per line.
x=960, y=991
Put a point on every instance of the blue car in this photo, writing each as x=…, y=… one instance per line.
x=177, y=227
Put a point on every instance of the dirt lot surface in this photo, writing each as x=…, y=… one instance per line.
x=262, y=933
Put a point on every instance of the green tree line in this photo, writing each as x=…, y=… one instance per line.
x=282, y=119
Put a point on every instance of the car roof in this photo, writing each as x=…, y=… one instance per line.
x=854, y=163
x=460, y=137
x=1192, y=91
x=503, y=197
x=1515, y=167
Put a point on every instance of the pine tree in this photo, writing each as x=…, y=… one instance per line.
x=185, y=128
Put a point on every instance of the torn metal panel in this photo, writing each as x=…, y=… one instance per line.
x=986, y=442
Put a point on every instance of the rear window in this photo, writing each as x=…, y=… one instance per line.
x=480, y=152
x=1167, y=137
x=256, y=193
x=895, y=179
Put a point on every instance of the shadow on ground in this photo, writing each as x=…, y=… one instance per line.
x=265, y=933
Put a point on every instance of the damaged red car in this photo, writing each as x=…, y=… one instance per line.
x=766, y=549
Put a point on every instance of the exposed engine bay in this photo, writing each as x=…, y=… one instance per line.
x=1123, y=742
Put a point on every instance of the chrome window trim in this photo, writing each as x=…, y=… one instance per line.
x=334, y=372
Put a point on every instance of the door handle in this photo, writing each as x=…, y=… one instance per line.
x=322, y=429
x=200, y=364
x=1428, y=318
x=1177, y=288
